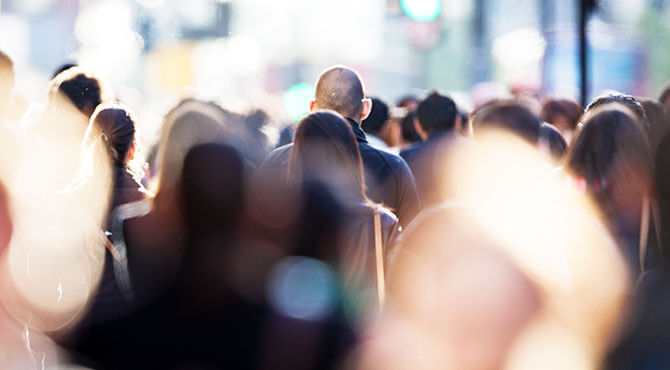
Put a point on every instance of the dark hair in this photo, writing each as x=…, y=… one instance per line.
x=509, y=115
x=610, y=141
x=658, y=122
x=118, y=129
x=6, y=64
x=562, y=113
x=436, y=113
x=408, y=130
x=407, y=101
x=212, y=186
x=552, y=138
x=628, y=101
x=83, y=90
x=324, y=143
x=341, y=89
x=379, y=115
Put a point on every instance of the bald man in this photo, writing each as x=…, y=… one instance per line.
x=387, y=177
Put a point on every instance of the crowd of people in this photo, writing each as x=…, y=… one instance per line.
x=527, y=232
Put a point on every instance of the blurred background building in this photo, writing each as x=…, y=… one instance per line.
x=269, y=52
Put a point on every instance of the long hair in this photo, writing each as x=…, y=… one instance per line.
x=325, y=149
x=610, y=150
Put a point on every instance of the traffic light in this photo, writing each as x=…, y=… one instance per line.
x=421, y=10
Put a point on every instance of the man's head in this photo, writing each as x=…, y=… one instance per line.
x=341, y=89
x=508, y=115
x=377, y=118
x=437, y=113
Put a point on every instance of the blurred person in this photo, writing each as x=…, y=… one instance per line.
x=611, y=158
x=664, y=97
x=659, y=125
x=325, y=149
x=646, y=336
x=376, y=125
x=552, y=142
x=629, y=101
x=564, y=114
x=408, y=134
x=151, y=232
x=437, y=123
x=408, y=102
x=548, y=307
x=209, y=316
x=388, y=179
x=508, y=115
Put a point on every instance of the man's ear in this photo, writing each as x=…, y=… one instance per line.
x=458, y=123
x=312, y=106
x=367, y=108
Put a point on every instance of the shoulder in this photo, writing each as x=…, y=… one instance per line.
x=276, y=156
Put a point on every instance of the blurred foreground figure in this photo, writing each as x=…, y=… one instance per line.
x=611, y=159
x=507, y=274
x=388, y=179
x=325, y=150
x=645, y=340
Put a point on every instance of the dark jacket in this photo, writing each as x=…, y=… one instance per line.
x=424, y=158
x=387, y=177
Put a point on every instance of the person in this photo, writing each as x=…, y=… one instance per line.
x=388, y=178
x=376, y=125
x=664, y=97
x=552, y=142
x=325, y=150
x=564, y=114
x=437, y=122
x=508, y=115
x=611, y=158
x=117, y=125
x=659, y=125
x=152, y=230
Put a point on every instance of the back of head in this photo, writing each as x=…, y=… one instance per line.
x=562, y=113
x=191, y=123
x=437, y=113
x=628, y=101
x=610, y=150
x=325, y=148
x=508, y=115
x=379, y=115
x=552, y=140
x=657, y=118
x=340, y=89
x=117, y=124
x=82, y=89
x=664, y=98
x=212, y=186
x=408, y=131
